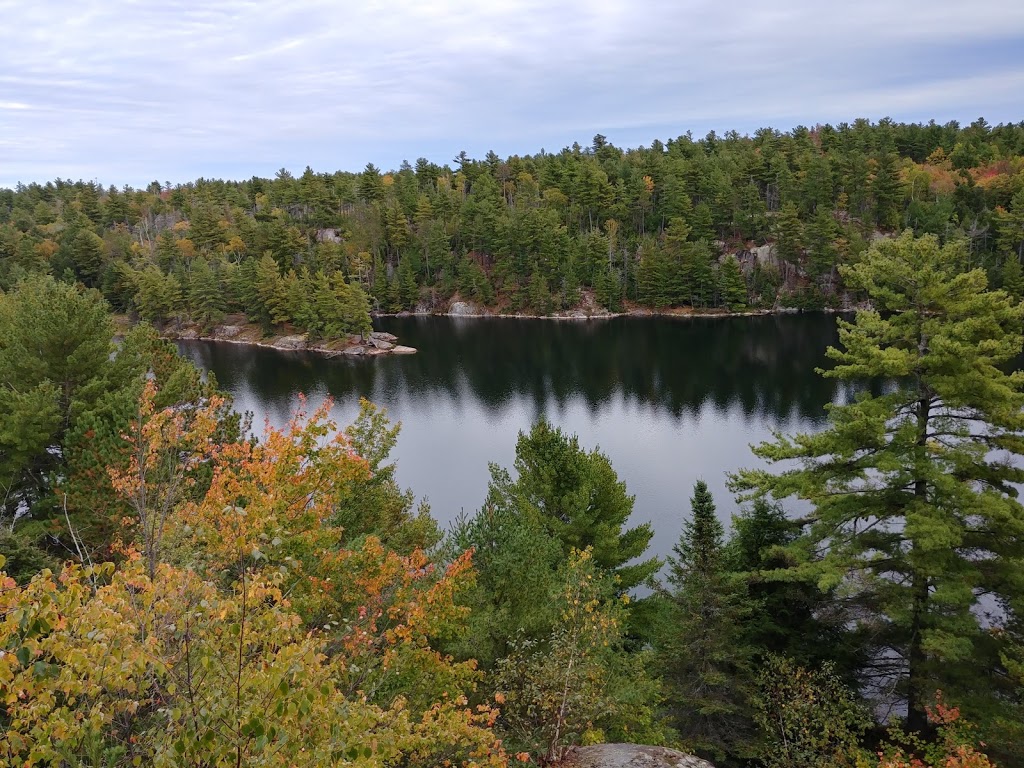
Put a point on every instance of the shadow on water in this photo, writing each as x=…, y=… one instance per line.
x=670, y=400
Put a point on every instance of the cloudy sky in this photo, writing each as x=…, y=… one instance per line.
x=128, y=91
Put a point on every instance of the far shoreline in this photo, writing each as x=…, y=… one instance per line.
x=381, y=344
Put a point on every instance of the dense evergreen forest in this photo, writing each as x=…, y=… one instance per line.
x=176, y=591
x=671, y=225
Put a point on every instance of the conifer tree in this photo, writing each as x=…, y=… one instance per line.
x=607, y=290
x=1013, y=277
x=706, y=665
x=885, y=188
x=650, y=275
x=1010, y=226
x=914, y=506
x=205, y=296
x=407, y=287
x=578, y=498
x=789, y=617
x=731, y=284
x=789, y=233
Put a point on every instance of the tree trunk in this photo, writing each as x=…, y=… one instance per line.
x=917, y=720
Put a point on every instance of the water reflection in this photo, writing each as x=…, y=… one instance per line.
x=669, y=400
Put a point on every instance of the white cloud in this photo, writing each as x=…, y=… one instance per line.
x=132, y=90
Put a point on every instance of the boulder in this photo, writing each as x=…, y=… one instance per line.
x=381, y=343
x=227, y=331
x=297, y=341
x=630, y=756
x=354, y=351
x=463, y=308
x=384, y=336
x=398, y=349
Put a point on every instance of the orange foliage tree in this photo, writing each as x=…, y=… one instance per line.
x=953, y=748
x=244, y=632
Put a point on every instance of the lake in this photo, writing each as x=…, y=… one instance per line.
x=669, y=400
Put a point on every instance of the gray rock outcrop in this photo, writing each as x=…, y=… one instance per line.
x=631, y=756
x=462, y=308
x=227, y=331
x=291, y=342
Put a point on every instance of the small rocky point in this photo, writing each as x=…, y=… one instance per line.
x=377, y=343
x=630, y=756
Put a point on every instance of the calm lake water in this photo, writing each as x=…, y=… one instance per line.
x=669, y=400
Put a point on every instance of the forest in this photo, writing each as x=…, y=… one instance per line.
x=671, y=225
x=177, y=588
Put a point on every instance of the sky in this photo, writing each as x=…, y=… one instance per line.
x=132, y=91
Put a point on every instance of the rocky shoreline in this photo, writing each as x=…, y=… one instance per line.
x=380, y=343
x=376, y=344
x=472, y=310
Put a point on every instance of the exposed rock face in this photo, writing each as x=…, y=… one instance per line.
x=291, y=342
x=767, y=256
x=764, y=255
x=463, y=308
x=398, y=349
x=631, y=756
x=227, y=331
x=381, y=336
x=328, y=236
x=381, y=343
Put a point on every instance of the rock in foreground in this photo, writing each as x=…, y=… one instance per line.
x=630, y=756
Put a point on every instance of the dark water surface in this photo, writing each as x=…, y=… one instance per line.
x=669, y=400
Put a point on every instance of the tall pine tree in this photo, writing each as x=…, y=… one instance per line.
x=915, y=509
x=707, y=675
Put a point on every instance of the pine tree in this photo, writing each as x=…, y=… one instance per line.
x=914, y=509
x=885, y=188
x=607, y=290
x=706, y=665
x=699, y=274
x=205, y=296
x=55, y=367
x=1010, y=226
x=158, y=296
x=791, y=618
x=731, y=285
x=675, y=278
x=1013, y=277
x=578, y=498
x=651, y=275
x=204, y=227
x=88, y=255
x=407, y=287
x=538, y=294
x=789, y=233
x=821, y=234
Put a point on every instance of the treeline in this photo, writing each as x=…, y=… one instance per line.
x=656, y=226
x=177, y=592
